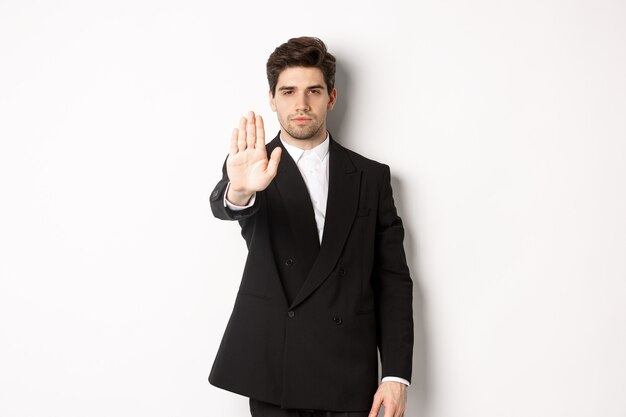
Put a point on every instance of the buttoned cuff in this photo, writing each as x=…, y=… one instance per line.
x=235, y=207
x=395, y=379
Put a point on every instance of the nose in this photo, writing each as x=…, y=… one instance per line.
x=302, y=103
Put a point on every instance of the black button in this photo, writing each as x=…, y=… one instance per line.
x=289, y=262
x=337, y=320
x=291, y=314
x=342, y=272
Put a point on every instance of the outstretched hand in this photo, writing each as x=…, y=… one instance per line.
x=248, y=167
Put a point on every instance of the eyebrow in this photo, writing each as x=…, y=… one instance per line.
x=288, y=87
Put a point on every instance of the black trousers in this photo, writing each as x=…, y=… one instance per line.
x=262, y=409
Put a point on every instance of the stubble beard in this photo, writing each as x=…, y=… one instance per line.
x=302, y=132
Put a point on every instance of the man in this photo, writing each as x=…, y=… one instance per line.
x=326, y=284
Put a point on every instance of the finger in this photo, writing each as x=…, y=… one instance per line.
x=233, y=141
x=251, y=130
x=272, y=165
x=260, y=133
x=241, y=136
x=389, y=411
x=375, y=406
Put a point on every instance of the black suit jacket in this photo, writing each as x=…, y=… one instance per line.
x=309, y=318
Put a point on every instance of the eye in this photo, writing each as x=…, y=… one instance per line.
x=315, y=91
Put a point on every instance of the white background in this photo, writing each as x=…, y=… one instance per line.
x=504, y=123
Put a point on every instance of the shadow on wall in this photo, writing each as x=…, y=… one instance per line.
x=338, y=116
x=338, y=122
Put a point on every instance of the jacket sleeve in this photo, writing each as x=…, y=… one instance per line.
x=217, y=202
x=393, y=289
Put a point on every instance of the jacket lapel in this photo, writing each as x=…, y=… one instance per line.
x=297, y=202
x=343, y=197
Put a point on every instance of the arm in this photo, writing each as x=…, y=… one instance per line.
x=224, y=209
x=393, y=289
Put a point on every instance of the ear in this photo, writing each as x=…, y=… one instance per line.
x=332, y=100
x=272, y=101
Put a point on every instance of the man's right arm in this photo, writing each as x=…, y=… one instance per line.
x=226, y=210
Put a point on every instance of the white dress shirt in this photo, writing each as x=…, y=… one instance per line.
x=313, y=165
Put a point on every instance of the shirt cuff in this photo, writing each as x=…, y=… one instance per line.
x=235, y=207
x=395, y=379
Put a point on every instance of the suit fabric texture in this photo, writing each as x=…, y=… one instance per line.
x=310, y=319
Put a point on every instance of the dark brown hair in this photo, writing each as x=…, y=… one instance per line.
x=301, y=52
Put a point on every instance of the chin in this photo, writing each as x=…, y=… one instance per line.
x=303, y=134
x=300, y=137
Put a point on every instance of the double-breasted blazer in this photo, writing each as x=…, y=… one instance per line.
x=309, y=319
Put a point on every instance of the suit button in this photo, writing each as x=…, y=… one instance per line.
x=291, y=314
x=337, y=320
x=342, y=272
x=289, y=262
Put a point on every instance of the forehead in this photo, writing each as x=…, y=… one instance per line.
x=300, y=77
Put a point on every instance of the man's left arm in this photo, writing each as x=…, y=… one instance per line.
x=393, y=290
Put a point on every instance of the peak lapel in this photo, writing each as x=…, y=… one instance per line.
x=297, y=202
x=343, y=197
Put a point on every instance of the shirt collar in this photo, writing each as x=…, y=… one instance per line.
x=320, y=151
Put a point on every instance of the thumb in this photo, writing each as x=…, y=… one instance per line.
x=272, y=165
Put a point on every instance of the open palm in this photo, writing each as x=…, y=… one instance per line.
x=249, y=170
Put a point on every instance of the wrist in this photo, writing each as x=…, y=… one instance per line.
x=238, y=198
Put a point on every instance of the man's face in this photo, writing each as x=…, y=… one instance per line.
x=301, y=103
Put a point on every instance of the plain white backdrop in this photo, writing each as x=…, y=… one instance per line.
x=504, y=123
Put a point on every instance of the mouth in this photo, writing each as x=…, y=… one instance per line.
x=301, y=120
